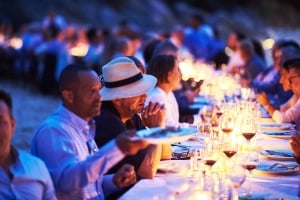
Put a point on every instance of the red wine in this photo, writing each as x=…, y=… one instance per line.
x=227, y=130
x=248, y=136
x=219, y=114
x=210, y=162
x=249, y=167
x=229, y=153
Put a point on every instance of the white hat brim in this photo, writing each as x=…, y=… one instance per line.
x=137, y=88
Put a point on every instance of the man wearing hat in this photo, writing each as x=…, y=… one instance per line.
x=123, y=97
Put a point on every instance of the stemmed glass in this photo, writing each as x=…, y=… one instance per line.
x=227, y=123
x=206, y=114
x=248, y=126
x=249, y=161
x=205, y=132
x=211, y=153
x=230, y=148
x=237, y=177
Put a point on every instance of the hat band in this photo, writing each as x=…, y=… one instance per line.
x=124, y=81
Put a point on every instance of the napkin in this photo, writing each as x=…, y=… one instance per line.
x=282, y=153
x=254, y=196
x=279, y=132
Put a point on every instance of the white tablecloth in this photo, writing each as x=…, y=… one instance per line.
x=274, y=186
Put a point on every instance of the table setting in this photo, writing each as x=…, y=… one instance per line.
x=230, y=152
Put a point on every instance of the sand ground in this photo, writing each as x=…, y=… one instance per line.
x=29, y=108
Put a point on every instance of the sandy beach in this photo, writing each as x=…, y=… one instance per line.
x=29, y=108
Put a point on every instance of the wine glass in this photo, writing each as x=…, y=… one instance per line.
x=237, y=177
x=211, y=154
x=206, y=114
x=227, y=123
x=205, y=132
x=230, y=148
x=248, y=126
x=249, y=161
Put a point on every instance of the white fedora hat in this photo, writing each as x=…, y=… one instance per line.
x=122, y=79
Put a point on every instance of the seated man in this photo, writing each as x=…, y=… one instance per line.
x=22, y=176
x=65, y=141
x=123, y=95
x=288, y=112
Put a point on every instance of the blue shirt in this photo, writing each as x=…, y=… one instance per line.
x=31, y=179
x=61, y=141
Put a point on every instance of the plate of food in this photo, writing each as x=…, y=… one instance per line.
x=276, y=126
x=281, y=134
x=278, y=154
x=158, y=135
x=278, y=168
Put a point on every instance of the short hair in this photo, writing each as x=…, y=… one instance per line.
x=69, y=76
x=247, y=47
x=160, y=66
x=290, y=57
x=138, y=63
x=164, y=47
x=149, y=49
x=4, y=96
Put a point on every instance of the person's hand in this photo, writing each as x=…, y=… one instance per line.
x=125, y=176
x=129, y=146
x=262, y=98
x=295, y=145
x=154, y=115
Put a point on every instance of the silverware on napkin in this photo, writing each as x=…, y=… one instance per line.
x=277, y=153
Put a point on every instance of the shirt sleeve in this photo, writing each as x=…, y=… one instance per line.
x=49, y=193
x=290, y=115
x=69, y=168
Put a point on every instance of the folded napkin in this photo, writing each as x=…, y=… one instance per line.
x=254, y=196
x=277, y=167
x=289, y=132
x=283, y=153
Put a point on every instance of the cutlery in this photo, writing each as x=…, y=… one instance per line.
x=271, y=152
x=283, y=166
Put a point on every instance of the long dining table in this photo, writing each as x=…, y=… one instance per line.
x=265, y=185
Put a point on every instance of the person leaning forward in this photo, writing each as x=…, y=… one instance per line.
x=64, y=141
x=123, y=97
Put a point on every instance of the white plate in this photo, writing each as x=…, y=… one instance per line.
x=153, y=135
x=264, y=168
x=275, y=154
x=281, y=134
x=276, y=126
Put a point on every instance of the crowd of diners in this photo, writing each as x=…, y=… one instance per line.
x=112, y=83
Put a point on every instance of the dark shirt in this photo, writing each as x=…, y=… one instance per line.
x=253, y=67
x=269, y=83
x=109, y=126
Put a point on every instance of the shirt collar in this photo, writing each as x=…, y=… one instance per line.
x=88, y=128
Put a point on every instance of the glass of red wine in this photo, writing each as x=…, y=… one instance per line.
x=248, y=126
x=211, y=154
x=249, y=161
x=227, y=124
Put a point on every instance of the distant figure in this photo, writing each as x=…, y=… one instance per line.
x=52, y=18
x=253, y=64
x=197, y=37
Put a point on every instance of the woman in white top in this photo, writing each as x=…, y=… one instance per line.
x=165, y=69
